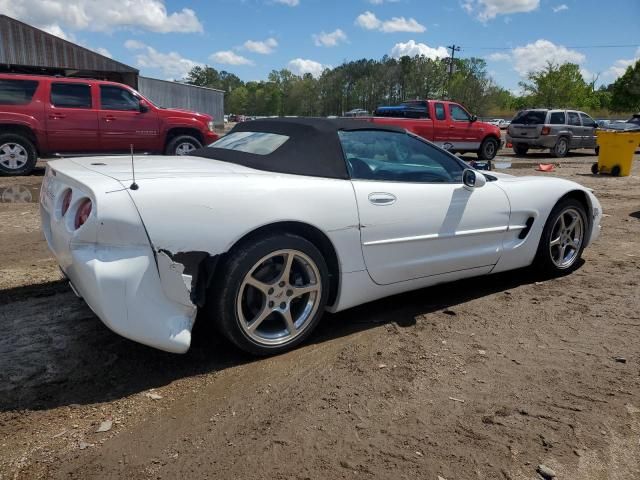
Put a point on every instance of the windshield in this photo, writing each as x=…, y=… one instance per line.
x=635, y=119
x=530, y=117
x=259, y=143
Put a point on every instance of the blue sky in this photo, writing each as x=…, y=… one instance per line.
x=165, y=38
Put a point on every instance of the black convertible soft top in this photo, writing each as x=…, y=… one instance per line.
x=313, y=147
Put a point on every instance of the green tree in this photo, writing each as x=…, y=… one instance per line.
x=558, y=86
x=625, y=91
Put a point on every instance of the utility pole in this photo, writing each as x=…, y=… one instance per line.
x=454, y=48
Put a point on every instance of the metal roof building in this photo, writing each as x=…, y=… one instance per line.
x=26, y=49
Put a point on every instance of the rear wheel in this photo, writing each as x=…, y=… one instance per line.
x=182, y=145
x=272, y=294
x=488, y=149
x=615, y=171
x=561, y=148
x=520, y=150
x=17, y=155
x=563, y=237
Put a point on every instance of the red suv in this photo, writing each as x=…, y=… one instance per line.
x=42, y=116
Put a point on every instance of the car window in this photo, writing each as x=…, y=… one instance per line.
x=259, y=143
x=440, y=115
x=70, y=95
x=458, y=113
x=117, y=98
x=530, y=117
x=587, y=121
x=557, y=118
x=574, y=119
x=397, y=157
x=17, y=92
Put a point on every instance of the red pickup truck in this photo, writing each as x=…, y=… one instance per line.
x=447, y=124
x=43, y=116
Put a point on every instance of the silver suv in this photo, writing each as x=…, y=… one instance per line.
x=557, y=130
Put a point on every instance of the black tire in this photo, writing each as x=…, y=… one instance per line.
x=488, y=149
x=594, y=168
x=615, y=171
x=229, y=280
x=174, y=147
x=543, y=261
x=520, y=150
x=561, y=148
x=22, y=146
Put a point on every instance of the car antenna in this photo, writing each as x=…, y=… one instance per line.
x=134, y=185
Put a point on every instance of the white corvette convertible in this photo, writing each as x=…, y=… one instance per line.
x=283, y=219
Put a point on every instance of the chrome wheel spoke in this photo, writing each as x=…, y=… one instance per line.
x=288, y=320
x=554, y=242
x=300, y=291
x=255, y=283
x=260, y=318
x=565, y=242
x=286, y=271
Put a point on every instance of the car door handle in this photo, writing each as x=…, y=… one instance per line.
x=109, y=118
x=382, y=198
x=56, y=116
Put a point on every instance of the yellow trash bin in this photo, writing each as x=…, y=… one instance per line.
x=616, y=152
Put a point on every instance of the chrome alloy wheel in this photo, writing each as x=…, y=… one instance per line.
x=566, y=238
x=279, y=297
x=185, y=148
x=13, y=155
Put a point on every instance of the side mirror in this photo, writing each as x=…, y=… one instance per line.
x=474, y=118
x=473, y=179
x=144, y=106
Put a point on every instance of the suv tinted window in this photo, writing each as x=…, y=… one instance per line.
x=530, y=117
x=587, y=121
x=557, y=118
x=458, y=113
x=117, y=98
x=396, y=157
x=70, y=95
x=574, y=119
x=17, y=92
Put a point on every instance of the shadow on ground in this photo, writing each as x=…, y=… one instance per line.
x=59, y=353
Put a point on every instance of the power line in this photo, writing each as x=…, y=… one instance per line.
x=575, y=47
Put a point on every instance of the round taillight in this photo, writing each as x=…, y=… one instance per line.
x=66, y=201
x=83, y=212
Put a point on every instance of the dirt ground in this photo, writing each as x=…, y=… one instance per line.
x=481, y=379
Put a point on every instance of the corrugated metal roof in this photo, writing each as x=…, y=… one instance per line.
x=22, y=44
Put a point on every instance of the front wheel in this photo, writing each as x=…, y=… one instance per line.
x=182, y=145
x=488, y=149
x=17, y=155
x=563, y=238
x=272, y=294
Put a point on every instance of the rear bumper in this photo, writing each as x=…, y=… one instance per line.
x=112, y=266
x=546, y=141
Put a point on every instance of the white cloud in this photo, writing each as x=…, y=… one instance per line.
x=620, y=66
x=103, y=52
x=266, y=47
x=300, y=66
x=560, y=8
x=534, y=56
x=102, y=16
x=172, y=64
x=55, y=29
x=489, y=9
x=227, y=57
x=288, y=3
x=498, y=57
x=369, y=21
x=411, y=49
x=332, y=39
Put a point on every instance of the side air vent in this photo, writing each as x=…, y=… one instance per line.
x=525, y=231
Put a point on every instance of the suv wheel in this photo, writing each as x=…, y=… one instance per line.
x=182, y=145
x=520, y=150
x=561, y=148
x=17, y=155
x=488, y=149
